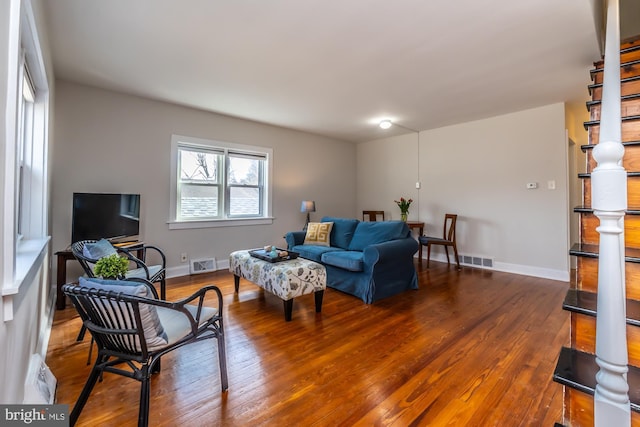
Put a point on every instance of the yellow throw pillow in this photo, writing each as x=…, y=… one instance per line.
x=318, y=233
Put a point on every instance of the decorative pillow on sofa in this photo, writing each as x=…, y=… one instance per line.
x=154, y=333
x=318, y=233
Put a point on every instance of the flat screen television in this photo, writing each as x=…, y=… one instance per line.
x=105, y=215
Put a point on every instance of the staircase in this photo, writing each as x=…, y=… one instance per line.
x=576, y=368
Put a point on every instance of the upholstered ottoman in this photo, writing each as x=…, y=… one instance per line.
x=285, y=279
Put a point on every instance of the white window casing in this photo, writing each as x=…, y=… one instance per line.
x=219, y=184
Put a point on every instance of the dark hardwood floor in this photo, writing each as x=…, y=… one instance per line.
x=469, y=348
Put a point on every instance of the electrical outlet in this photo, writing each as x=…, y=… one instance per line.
x=532, y=185
x=183, y=257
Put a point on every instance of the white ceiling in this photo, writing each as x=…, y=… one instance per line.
x=331, y=67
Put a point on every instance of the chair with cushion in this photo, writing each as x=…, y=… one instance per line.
x=372, y=215
x=88, y=252
x=133, y=329
x=448, y=239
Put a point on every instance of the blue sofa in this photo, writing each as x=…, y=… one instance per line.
x=370, y=260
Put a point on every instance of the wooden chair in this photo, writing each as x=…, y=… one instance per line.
x=372, y=215
x=133, y=329
x=448, y=239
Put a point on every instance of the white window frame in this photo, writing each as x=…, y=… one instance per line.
x=224, y=219
x=23, y=253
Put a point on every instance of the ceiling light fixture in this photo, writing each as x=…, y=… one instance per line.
x=385, y=124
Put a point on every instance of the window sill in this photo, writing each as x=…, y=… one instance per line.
x=182, y=225
x=29, y=258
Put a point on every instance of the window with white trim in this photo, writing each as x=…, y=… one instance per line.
x=216, y=182
x=23, y=234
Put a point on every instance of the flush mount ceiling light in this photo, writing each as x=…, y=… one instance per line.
x=385, y=124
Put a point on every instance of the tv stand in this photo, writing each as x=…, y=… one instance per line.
x=66, y=255
x=127, y=244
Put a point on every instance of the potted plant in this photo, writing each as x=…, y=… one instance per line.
x=111, y=267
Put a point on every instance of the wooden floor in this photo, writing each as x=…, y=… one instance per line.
x=469, y=348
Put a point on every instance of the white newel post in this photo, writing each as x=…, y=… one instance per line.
x=609, y=202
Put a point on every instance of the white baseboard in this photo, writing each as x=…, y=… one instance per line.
x=525, y=270
x=183, y=270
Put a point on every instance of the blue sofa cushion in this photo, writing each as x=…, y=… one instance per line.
x=371, y=233
x=314, y=252
x=349, y=260
x=342, y=232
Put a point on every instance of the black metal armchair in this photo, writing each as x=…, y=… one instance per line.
x=154, y=273
x=133, y=328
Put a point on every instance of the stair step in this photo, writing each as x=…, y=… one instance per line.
x=587, y=209
x=588, y=175
x=628, y=86
x=631, y=97
x=577, y=370
x=583, y=302
x=587, y=265
x=627, y=69
x=586, y=147
x=633, y=189
x=588, y=233
x=630, y=159
x=627, y=47
x=593, y=251
x=630, y=129
x=590, y=123
x=630, y=53
x=629, y=106
x=599, y=66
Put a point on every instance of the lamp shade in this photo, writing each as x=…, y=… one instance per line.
x=308, y=206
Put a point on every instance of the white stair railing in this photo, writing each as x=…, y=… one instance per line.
x=609, y=202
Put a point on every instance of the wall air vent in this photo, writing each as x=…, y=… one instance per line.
x=202, y=265
x=476, y=261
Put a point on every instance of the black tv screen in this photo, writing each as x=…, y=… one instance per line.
x=103, y=215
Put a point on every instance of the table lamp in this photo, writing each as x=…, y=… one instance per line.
x=307, y=207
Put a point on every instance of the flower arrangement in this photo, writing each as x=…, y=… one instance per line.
x=403, y=204
x=111, y=267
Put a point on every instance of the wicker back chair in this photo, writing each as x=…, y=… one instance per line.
x=129, y=333
x=153, y=273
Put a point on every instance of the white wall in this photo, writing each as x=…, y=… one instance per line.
x=576, y=115
x=111, y=142
x=479, y=170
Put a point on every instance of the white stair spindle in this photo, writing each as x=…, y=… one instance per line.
x=609, y=201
